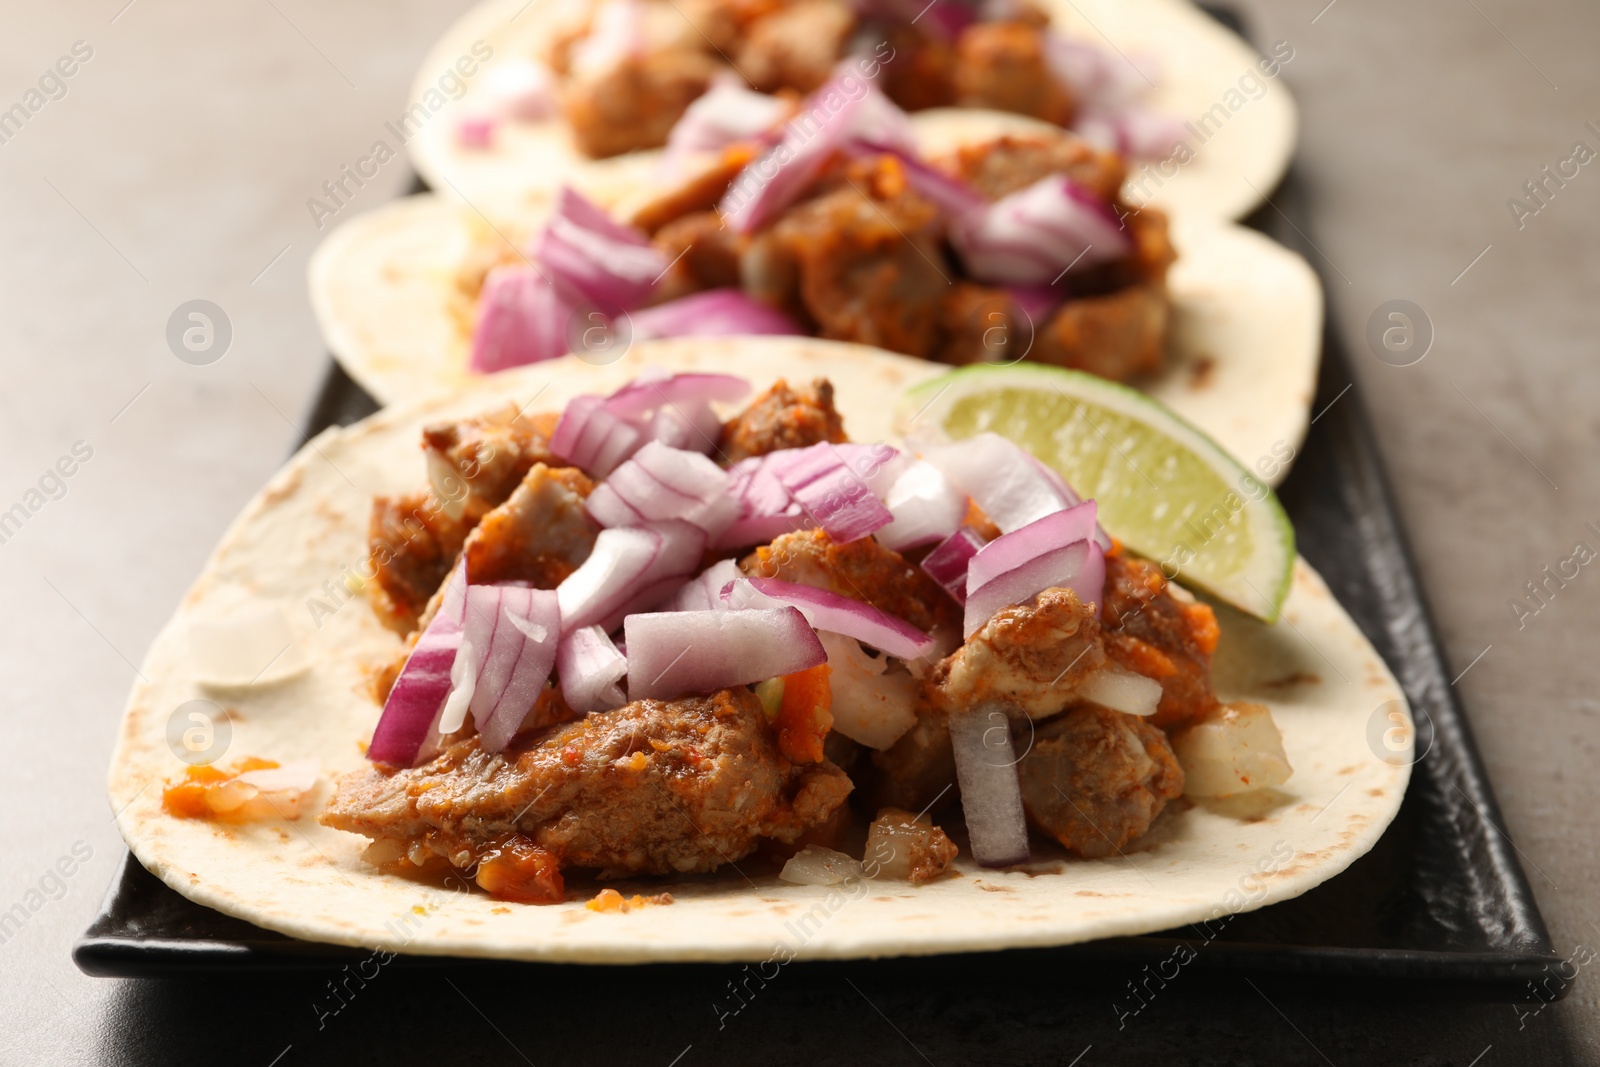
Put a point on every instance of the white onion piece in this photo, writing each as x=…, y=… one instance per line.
x=297, y=776
x=1121, y=690
x=674, y=653
x=616, y=34
x=693, y=427
x=871, y=704
x=243, y=644
x=1080, y=567
x=925, y=506
x=1011, y=487
x=463, y=680
x=991, y=795
x=827, y=610
x=513, y=630
x=417, y=697
x=654, y=388
x=590, y=668
x=725, y=115
x=815, y=865
x=1234, y=749
x=704, y=593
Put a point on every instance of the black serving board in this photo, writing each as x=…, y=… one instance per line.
x=1440, y=909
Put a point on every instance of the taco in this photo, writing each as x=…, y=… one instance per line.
x=604, y=741
x=992, y=248
x=517, y=100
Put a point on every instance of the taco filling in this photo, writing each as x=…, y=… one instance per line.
x=625, y=72
x=641, y=640
x=831, y=224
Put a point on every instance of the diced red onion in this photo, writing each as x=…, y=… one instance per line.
x=654, y=388
x=704, y=592
x=591, y=668
x=712, y=313
x=1010, y=551
x=1136, y=132
x=766, y=510
x=947, y=564
x=521, y=319
x=827, y=610
x=991, y=795
x=1080, y=567
x=592, y=257
x=1036, y=234
x=843, y=108
x=1011, y=487
x=476, y=131
x=513, y=631
x=590, y=437
x=522, y=89
x=1099, y=80
x=419, y=693
x=629, y=565
x=674, y=653
x=832, y=495
x=925, y=506
x=725, y=115
x=693, y=426
x=660, y=482
x=1037, y=302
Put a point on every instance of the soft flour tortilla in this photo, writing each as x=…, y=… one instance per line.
x=1324, y=683
x=1242, y=353
x=1237, y=158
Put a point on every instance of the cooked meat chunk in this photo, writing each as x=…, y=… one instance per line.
x=982, y=324
x=922, y=73
x=1095, y=779
x=1118, y=335
x=782, y=417
x=540, y=535
x=797, y=46
x=870, y=261
x=635, y=104
x=703, y=252
x=1002, y=65
x=862, y=570
x=411, y=544
x=723, y=23
x=919, y=769
x=655, y=787
x=1158, y=630
x=1028, y=657
x=474, y=464
x=694, y=192
x=1011, y=163
x=906, y=846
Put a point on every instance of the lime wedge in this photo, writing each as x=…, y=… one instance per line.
x=1164, y=488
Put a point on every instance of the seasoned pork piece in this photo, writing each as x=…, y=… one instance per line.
x=1157, y=629
x=797, y=46
x=922, y=73
x=869, y=257
x=1003, y=65
x=982, y=324
x=692, y=193
x=861, y=570
x=1095, y=779
x=474, y=464
x=1118, y=335
x=635, y=104
x=540, y=535
x=918, y=771
x=1011, y=163
x=782, y=417
x=657, y=787
x=411, y=545
x=1028, y=657
x=703, y=252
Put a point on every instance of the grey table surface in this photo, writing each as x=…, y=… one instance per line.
x=178, y=163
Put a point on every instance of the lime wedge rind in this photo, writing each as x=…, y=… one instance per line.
x=1165, y=487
